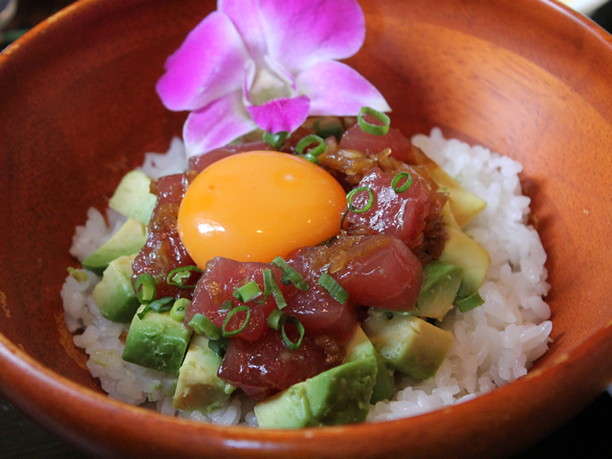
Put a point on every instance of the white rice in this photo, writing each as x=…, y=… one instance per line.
x=494, y=344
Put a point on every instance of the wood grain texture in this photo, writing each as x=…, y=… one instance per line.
x=528, y=79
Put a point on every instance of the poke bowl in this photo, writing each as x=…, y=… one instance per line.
x=528, y=80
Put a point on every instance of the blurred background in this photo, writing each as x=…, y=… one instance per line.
x=18, y=16
x=586, y=436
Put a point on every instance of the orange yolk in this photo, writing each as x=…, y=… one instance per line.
x=258, y=205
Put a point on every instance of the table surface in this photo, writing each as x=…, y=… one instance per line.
x=586, y=436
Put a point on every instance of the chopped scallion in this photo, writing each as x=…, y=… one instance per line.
x=370, y=128
x=179, y=308
x=242, y=308
x=145, y=289
x=271, y=287
x=333, y=288
x=163, y=304
x=218, y=346
x=327, y=129
x=248, y=292
x=275, y=318
x=292, y=345
x=469, y=302
x=159, y=305
x=202, y=325
x=178, y=276
x=275, y=140
x=226, y=305
x=314, y=152
x=78, y=274
x=141, y=315
x=290, y=273
x=398, y=178
x=351, y=195
x=342, y=219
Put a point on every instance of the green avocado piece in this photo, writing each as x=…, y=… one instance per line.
x=464, y=204
x=408, y=344
x=340, y=395
x=440, y=285
x=447, y=216
x=384, y=388
x=114, y=294
x=128, y=240
x=360, y=347
x=133, y=197
x=156, y=341
x=464, y=252
x=198, y=386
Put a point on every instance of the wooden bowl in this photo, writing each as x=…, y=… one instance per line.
x=528, y=79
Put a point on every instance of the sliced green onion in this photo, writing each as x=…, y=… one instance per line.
x=314, y=152
x=290, y=274
x=145, y=289
x=342, y=219
x=163, y=304
x=179, y=308
x=271, y=287
x=370, y=128
x=292, y=345
x=178, y=276
x=247, y=292
x=329, y=129
x=141, y=315
x=202, y=325
x=469, y=302
x=242, y=308
x=226, y=305
x=160, y=305
x=218, y=346
x=398, y=178
x=275, y=318
x=78, y=274
x=275, y=140
x=351, y=194
x=333, y=288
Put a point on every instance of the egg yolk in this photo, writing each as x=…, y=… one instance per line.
x=258, y=205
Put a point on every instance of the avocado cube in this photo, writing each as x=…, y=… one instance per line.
x=340, y=395
x=447, y=216
x=408, y=344
x=156, y=341
x=128, y=240
x=360, y=347
x=198, y=386
x=133, y=197
x=384, y=387
x=114, y=294
x=464, y=204
x=463, y=251
x=440, y=285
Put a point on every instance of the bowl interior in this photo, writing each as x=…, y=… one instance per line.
x=526, y=79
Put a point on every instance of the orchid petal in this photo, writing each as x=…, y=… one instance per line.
x=217, y=124
x=300, y=33
x=208, y=65
x=335, y=88
x=278, y=115
x=245, y=16
x=250, y=72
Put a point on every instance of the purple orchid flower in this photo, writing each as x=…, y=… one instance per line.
x=266, y=64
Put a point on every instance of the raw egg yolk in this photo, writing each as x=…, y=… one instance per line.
x=258, y=205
